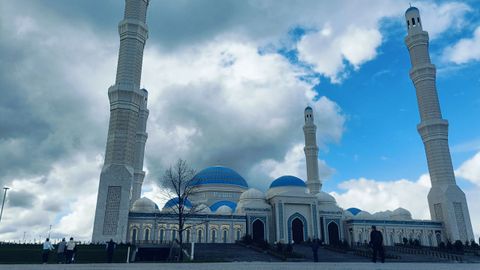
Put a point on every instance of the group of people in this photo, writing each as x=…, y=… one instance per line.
x=65, y=251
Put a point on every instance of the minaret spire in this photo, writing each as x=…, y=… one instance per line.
x=446, y=200
x=122, y=173
x=311, y=152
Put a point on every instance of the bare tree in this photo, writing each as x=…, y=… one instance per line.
x=178, y=179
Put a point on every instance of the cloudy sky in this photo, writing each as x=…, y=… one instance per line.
x=228, y=82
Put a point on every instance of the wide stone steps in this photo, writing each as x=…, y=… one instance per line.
x=229, y=253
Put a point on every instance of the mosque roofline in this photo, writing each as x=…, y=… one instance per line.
x=394, y=222
x=173, y=216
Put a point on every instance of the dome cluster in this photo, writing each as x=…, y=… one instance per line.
x=397, y=214
x=224, y=178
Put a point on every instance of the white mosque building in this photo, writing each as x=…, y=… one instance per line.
x=287, y=212
x=291, y=210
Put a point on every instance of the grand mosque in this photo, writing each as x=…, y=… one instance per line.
x=291, y=210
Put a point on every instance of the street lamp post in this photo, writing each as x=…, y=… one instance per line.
x=3, y=203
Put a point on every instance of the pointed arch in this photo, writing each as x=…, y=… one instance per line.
x=303, y=220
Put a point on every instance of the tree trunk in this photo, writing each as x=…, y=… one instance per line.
x=180, y=232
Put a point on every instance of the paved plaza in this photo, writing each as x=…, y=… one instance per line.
x=249, y=266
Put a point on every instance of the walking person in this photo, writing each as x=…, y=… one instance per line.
x=315, y=246
x=61, y=251
x=70, y=250
x=47, y=246
x=110, y=249
x=376, y=242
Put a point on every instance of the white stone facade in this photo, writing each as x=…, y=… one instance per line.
x=446, y=200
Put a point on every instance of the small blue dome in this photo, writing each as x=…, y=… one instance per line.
x=218, y=175
x=411, y=9
x=174, y=201
x=354, y=210
x=288, y=180
x=216, y=205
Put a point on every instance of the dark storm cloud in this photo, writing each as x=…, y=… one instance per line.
x=43, y=109
x=23, y=199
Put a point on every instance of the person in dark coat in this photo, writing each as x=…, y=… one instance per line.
x=315, y=246
x=61, y=251
x=376, y=242
x=110, y=249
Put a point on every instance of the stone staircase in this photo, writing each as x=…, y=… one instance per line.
x=327, y=255
x=229, y=253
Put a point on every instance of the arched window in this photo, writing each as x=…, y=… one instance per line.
x=199, y=236
x=162, y=235
x=214, y=235
x=174, y=234
x=188, y=236
x=413, y=21
x=147, y=234
x=225, y=236
x=238, y=235
x=134, y=235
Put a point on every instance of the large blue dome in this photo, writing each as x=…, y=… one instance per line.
x=218, y=175
x=354, y=210
x=174, y=201
x=288, y=180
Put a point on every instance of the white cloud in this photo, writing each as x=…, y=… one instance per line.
x=473, y=201
x=470, y=169
x=327, y=51
x=374, y=196
x=465, y=50
x=355, y=41
x=292, y=164
x=231, y=106
x=65, y=199
x=438, y=18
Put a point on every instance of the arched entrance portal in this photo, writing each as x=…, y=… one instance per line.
x=297, y=231
x=333, y=237
x=258, y=231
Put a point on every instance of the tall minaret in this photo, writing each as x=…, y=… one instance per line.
x=311, y=152
x=122, y=173
x=446, y=200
